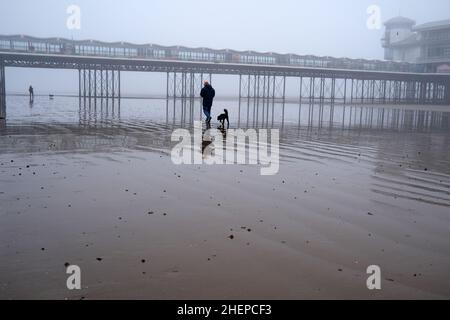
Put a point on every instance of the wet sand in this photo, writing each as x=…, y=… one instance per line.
x=108, y=199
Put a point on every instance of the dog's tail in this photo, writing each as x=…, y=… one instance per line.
x=226, y=111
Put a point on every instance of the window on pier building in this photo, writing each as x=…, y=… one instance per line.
x=255, y=59
x=20, y=45
x=53, y=48
x=159, y=53
x=200, y=56
x=117, y=52
x=439, y=51
x=438, y=35
x=105, y=51
x=369, y=66
x=309, y=62
x=39, y=46
x=78, y=49
x=5, y=44
x=130, y=52
x=219, y=58
x=297, y=61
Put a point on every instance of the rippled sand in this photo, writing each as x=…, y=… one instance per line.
x=102, y=193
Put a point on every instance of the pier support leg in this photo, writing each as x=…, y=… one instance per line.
x=351, y=92
x=183, y=84
x=248, y=98
x=95, y=82
x=333, y=90
x=274, y=84
x=321, y=90
x=372, y=93
x=258, y=95
x=107, y=82
x=2, y=92
x=119, y=85
x=433, y=93
x=300, y=101
x=447, y=93
x=113, y=87
x=345, y=91
x=240, y=96
x=362, y=92
x=90, y=84
x=79, y=83
x=284, y=99
x=167, y=85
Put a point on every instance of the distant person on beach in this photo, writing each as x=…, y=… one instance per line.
x=208, y=93
x=31, y=91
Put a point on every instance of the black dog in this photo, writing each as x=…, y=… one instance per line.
x=223, y=117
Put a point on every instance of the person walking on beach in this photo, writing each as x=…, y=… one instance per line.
x=208, y=93
x=31, y=91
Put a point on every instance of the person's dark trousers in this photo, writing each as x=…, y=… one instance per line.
x=207, y=112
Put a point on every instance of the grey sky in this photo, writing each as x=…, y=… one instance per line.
x=321, y=27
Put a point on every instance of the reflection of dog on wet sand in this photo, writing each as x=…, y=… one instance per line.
x=224, y=116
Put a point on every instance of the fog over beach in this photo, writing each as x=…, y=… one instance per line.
x=216, y=158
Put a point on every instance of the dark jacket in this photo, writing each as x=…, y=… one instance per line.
x=208, y=93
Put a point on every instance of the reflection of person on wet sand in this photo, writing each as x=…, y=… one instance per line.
x=207, y=138
x=205, y=144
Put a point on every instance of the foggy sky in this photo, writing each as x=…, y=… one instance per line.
x=320, y=27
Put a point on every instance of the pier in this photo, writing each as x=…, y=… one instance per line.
x=262, y=76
